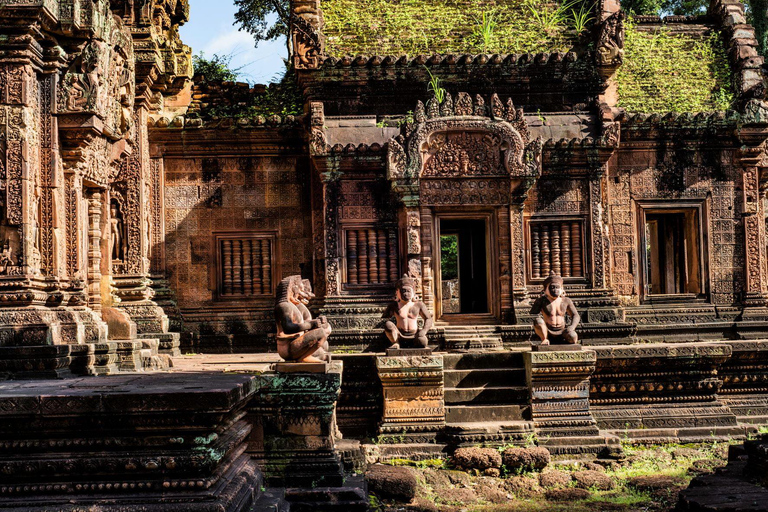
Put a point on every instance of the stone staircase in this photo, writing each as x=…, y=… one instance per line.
x=486, y=398
x=471, y=337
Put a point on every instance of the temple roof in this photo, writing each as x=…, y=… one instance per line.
x=411, y=27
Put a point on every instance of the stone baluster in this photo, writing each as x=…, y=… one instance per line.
x=555, y=241
x=227, y=257
x=247, y=267
x=393, y=270
x=257, y=264
x=545, y=251
x=565, y=248
x=352, y=257
x=266, y=267
x=576, y=257
x=237, y=267
x=373, y=262
x=384, y=250
x=362, y=256
x=536, y=251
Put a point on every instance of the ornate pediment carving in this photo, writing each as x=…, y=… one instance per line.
x=465, y=138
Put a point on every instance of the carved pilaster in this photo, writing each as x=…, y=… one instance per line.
x=754, y=235
x=133, y=197
x=519, y=290
x=427, y=274
x=599, y=239
x=412, y=222
x=331, y=230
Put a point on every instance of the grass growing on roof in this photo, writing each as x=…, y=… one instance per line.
x=398, y=27
x=664, y=72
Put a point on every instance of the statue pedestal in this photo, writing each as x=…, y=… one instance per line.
x=559, y=385
x=301, y=367
x=294, y=426
x=408, y=352
x=414, y=404
x=557, y=348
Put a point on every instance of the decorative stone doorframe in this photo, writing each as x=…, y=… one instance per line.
x=471, y=155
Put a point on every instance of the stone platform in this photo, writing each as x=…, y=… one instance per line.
x=167, y=442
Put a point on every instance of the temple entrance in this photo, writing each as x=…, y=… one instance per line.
x=463, y=267
x=672, y=253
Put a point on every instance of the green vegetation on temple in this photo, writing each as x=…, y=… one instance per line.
x=665, y=72
x=412, y=27
x=282, y=97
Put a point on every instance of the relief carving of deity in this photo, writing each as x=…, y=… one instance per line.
x=456, y=154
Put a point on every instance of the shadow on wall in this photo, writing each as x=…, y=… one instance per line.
x=235, y=226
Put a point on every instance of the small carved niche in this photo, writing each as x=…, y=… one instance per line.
x=245, y=265
x=556, y=245
x=370, y=255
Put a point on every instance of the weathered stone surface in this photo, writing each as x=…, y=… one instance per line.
x=554, y=478
x=526, y=459
x=391, y=482
x=588, y=479
x=477, y=458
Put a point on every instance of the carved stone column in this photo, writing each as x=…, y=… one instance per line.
x=94, y=250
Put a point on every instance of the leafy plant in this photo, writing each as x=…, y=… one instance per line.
x=580, y=20
x=485, y=28
x=435, y=86
x=549, y=21
x=218, y=68
x=266, y=20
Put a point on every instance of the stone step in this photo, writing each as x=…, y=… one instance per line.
x=489, y=360
x=486, y=395
x=491, y=427
x=482, y=413
x=484, y=377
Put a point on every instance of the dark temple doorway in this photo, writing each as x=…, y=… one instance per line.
x=464, y=266
x=672, y=245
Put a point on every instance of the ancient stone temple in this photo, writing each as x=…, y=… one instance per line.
x=143, y=209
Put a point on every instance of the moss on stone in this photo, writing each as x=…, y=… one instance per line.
x=665, y=72
x=412, y=27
